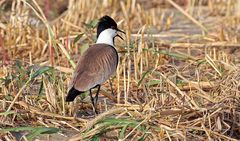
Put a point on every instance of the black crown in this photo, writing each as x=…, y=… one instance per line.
x=104, y=23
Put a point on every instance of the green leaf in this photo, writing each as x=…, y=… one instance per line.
x=132, y=45
x=180, y=56
x=34, y=131
x=21, y=72
x=122, y=122
x=119, y=123
x=153, y=82
x=18, y=64
x=122, y=132
x=8, y=79
x=180, y=82
x=41, y=88
x=17, y=129
x=143, y=137
x=95, y=138
x=7, y=113
x=175, y=55
x=76, y=39
x=41, y=130
x=40, y=71
x=143, y=76
x=54, y=42
x=201, y=62
x=92, y=23
x=8, y=97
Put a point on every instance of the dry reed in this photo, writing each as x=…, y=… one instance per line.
x=178, y=75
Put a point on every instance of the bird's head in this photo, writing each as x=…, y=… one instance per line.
x=107, y=29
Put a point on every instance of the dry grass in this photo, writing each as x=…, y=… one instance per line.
x=178, y=76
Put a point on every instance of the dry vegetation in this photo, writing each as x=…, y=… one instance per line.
x=178, y=76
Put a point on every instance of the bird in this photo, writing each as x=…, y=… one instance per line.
x=97, y=63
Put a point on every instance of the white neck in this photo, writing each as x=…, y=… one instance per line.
x=106, y=37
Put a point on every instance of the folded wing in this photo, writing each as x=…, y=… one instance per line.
x=95, y=66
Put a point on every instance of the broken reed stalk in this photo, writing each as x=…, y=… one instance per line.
x=188, y=16
x=18, y=94
x=190, y=102
x=37, y=111
x=94, y=121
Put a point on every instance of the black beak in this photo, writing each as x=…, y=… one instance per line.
x=121, y=32
x=119, y=36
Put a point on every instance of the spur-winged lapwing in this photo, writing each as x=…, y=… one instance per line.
x=97, y=63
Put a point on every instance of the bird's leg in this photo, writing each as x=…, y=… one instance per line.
x=110, y=82
x=92, y=99
x=96, y=98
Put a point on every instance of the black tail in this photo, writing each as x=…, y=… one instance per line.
x=72, y=94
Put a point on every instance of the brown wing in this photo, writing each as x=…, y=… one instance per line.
x=95, y=66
